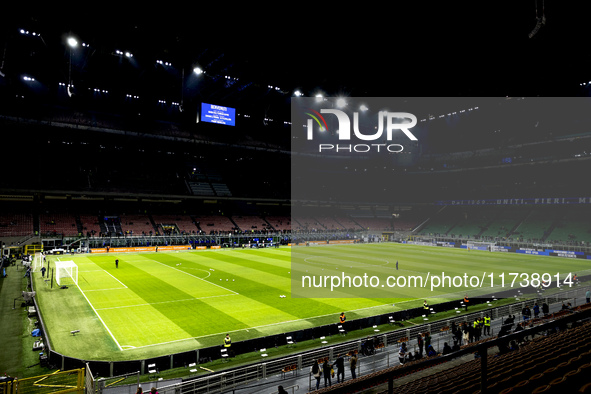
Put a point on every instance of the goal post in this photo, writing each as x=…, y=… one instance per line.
x=66, y=273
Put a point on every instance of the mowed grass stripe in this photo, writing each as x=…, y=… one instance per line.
x=453, y=261
x=275, y=254
x=249, y=311
x=261, y=313
x=266, y=288
x=319, y=262
x=191, y=279
x=358, y=260
x=255, y=260
x=184, y=313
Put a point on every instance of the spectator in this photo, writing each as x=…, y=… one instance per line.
x=420, y=343
x=526, y=313
x=545, y=309
x=353, y=365
x=315, y=371
x=430, y=351
x=367, y=346
x=466, y=333
x=506, y=326
x=340, y=364
x=402, y=353
x=326, y=372
x=588, y=296
x=513, y=345
x=446, y=349
x=281, y=390
x=536, y=310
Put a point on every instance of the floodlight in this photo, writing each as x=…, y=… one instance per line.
x=197, y=70
x=72, y=42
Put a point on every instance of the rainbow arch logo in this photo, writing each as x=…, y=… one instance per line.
x=316, y=115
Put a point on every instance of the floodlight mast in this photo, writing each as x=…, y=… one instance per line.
x=72, y=43
x=540, y=20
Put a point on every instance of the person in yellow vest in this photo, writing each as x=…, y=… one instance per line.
x=487, y=325
x=476, y=329
x=426, y=307
x=228, y=344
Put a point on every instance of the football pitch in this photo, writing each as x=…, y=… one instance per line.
x=160, y=303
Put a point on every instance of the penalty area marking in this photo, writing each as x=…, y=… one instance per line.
x=127, y=347
x=113, y=288
x=116, y=279
x=100, y=318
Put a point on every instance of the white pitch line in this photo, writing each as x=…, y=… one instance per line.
x=251, y=328
x=211, y=283
x=99, y=317
x=116, y=279
x=165, y=302
x=107, y=328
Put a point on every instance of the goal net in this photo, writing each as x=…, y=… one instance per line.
x=66, y=273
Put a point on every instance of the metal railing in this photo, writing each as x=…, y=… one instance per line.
x=279, y=369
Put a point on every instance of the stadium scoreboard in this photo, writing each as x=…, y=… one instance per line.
x=218, y=114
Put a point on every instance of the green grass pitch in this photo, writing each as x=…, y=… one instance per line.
x=161, y=303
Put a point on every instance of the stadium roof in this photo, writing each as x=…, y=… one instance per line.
x=464, y=49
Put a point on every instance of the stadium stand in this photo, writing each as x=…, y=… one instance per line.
x=210, y=224
x=16, y=224
x=58, y=223
x=160, y=155
x=374, y=224
x=545, y=362
x=251, y=224
x=183, y=223
x=553, y=356
x=135, y=224
x=90, y=224
x=279, y=223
